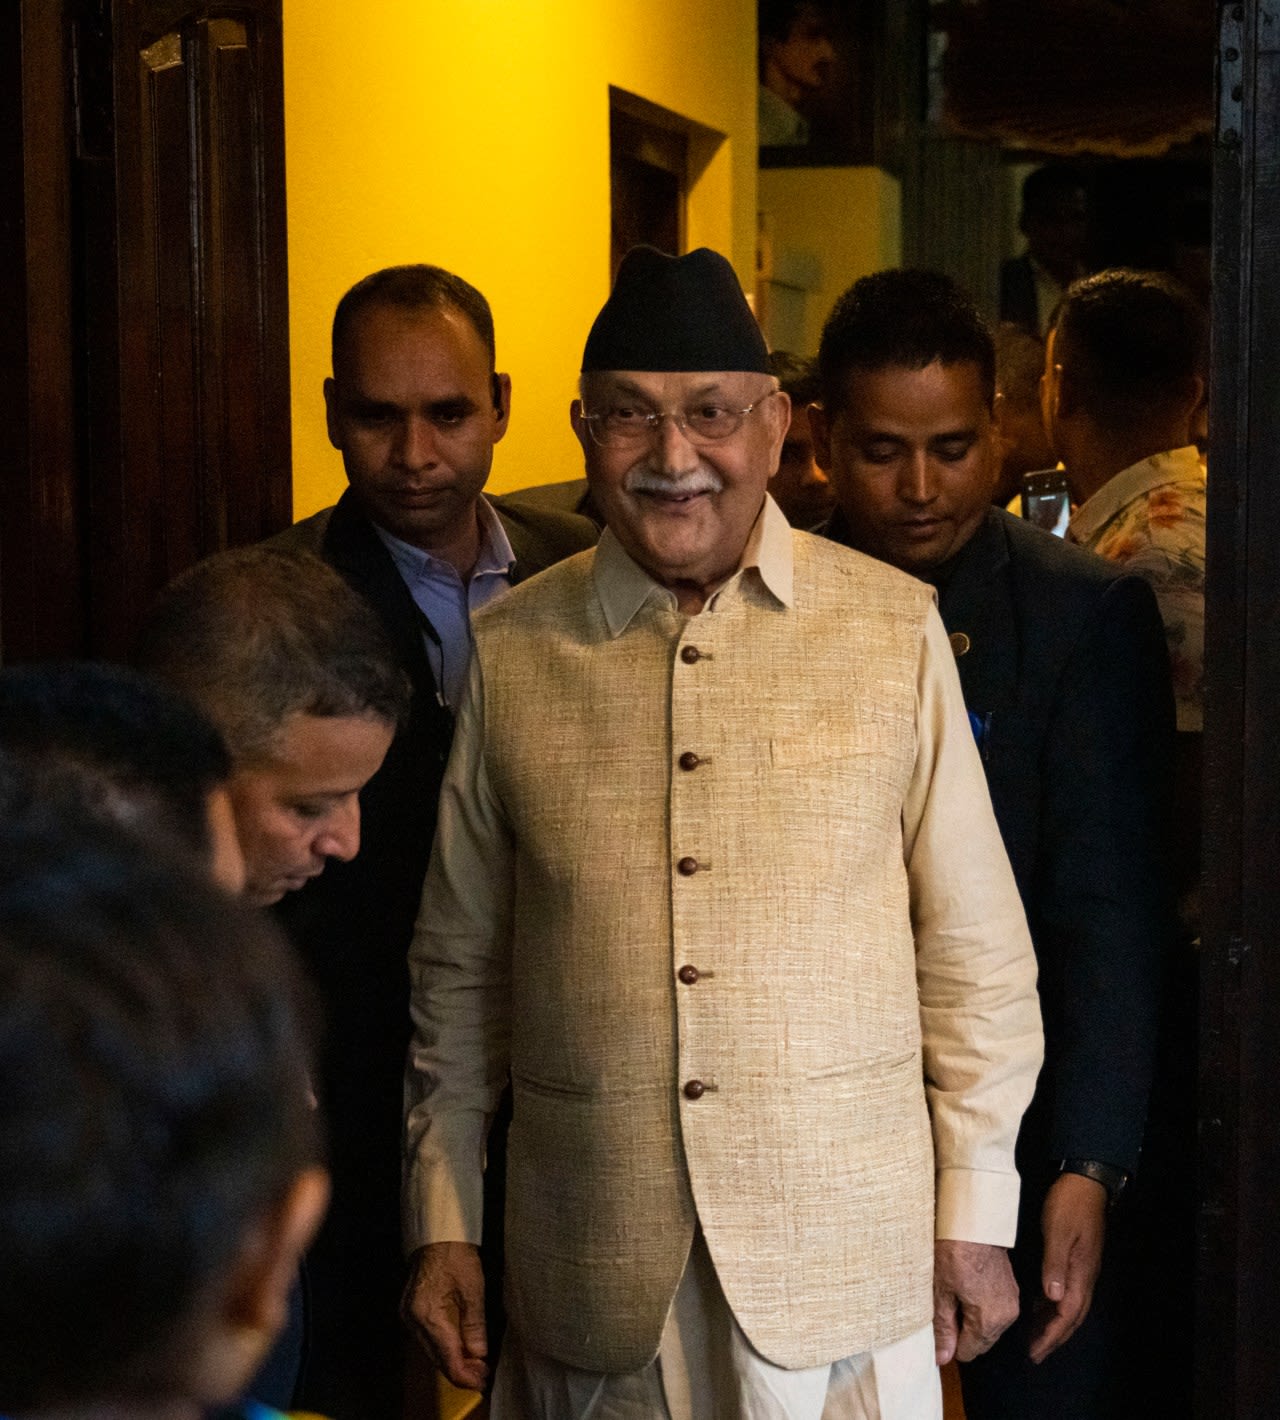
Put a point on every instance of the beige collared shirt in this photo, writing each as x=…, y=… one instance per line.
x=784, y=725
x=624, y=587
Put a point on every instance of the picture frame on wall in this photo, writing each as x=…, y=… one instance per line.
x=820, y=104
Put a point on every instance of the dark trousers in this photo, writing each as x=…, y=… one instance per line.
x=1080, y=1380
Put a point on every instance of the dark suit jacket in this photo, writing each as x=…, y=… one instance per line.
x=1067, y=680
x=352, y=926
x=571, y=496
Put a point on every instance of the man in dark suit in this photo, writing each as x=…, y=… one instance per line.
x=415, y=405
x=1055, y=221
x=1067, y=685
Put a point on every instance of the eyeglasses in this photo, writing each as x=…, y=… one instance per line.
x=624, y=424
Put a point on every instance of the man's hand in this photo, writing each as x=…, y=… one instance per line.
x=974, y=1298
x=1074, y=1221
x=443, y=1305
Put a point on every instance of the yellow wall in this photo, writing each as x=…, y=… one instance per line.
x=474, y=134
x=821, y=229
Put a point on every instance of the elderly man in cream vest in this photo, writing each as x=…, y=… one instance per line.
x=718, y=882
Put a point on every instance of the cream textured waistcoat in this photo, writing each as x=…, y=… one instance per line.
x=713, y=996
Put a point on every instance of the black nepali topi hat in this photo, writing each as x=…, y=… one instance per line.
x=675, y=313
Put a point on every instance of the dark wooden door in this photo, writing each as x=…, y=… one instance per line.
x=171, y=248
x=1238, y=1300
x=41, y=592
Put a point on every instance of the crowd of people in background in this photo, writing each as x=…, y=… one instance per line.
x=632, y=913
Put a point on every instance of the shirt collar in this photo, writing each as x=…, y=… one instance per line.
x=623, y=586
x=496, y=552
x=496, y=555
x=1174, y=466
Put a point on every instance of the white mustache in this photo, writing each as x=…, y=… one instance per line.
x=643, y=479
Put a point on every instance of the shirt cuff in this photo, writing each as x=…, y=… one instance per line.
x=977, y=1207
x=440, y=1207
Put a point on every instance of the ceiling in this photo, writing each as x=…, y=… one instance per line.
x=1072, y=77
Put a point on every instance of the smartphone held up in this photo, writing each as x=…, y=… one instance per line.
x=1046, y=501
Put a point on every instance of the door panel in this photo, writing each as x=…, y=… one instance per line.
x=172, y=245
x=199, y=230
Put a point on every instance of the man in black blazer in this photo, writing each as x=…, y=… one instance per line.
x=1055, y=221
x=416, y=406
x=1067, y=685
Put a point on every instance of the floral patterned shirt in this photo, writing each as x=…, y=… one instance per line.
x=1150, y=519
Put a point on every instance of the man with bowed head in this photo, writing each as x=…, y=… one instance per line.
x=298, y=676
x=731, y=908
x=1064, y=673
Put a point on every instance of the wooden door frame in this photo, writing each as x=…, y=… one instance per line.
x=40, y=590
x=1238, y=1281
x=81, y=518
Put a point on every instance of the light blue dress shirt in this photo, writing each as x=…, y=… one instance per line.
x=447, y=602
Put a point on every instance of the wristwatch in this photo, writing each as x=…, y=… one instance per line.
x=1113, y=1179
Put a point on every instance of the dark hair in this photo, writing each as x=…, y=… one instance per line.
x=1043, y=186
x=776, y=18
x=257, y=634
x=796, y=376
x=154, y=1061
x=114, y=743
x=413, y=288
x=1128, y=343
x=905, y=318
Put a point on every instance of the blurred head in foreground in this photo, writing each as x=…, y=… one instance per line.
x=108, y=743
x=158, y=1175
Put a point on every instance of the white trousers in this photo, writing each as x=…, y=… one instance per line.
x=706, y=1369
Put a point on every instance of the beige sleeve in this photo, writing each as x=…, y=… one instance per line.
x=975, y=967
x=459, y=980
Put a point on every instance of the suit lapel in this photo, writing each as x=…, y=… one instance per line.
x=356, y=551
x=979, y=614
x=527, y=562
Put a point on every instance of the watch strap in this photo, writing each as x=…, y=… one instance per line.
x=1113, y=1179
